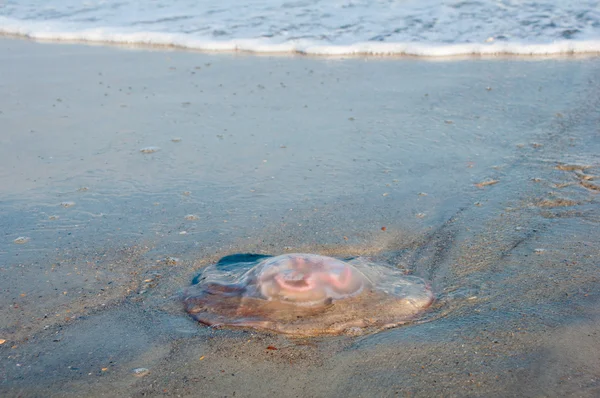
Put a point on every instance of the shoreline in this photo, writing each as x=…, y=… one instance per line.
x=387, y=50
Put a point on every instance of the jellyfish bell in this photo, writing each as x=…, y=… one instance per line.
x=305, y=294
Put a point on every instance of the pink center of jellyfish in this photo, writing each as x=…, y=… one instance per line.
x=308, y=279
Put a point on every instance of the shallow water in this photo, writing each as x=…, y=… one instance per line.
x=392, y=159
x=431, y=28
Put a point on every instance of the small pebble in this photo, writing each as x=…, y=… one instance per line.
x=150, y=149
x=539, y=251
x=21, y=240
x=53, y=217
x=67, y=204
x=191, y=217
x=140, y=372
x=171, y=260
x=176, y=139
x=487, y=183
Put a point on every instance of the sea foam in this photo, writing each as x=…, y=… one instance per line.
x=428, y=28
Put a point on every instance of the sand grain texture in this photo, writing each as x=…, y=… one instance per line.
x=281, y=155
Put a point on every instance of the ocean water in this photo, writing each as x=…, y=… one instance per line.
x=318, y=27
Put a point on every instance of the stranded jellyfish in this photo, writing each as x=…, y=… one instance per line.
x=305, y=294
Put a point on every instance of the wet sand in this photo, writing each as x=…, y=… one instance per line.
x=480, y=176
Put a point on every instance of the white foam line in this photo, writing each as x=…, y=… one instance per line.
x=40, y=31
x=445, y=50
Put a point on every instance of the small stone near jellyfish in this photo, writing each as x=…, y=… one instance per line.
x=140, y=372
x=305, y=295
x=150, y=149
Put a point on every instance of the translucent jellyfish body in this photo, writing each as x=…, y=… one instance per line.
x=305, y=294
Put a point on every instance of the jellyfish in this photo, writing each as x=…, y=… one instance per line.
x=305, y=295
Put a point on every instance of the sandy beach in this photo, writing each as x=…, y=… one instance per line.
x=124, y=171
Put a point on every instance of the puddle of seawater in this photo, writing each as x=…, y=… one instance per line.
x=391, y=159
